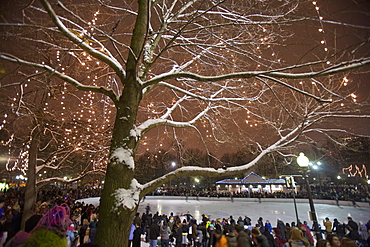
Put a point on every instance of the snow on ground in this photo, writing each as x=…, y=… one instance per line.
x=268, y=209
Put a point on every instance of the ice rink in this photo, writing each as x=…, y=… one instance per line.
x=268, y=209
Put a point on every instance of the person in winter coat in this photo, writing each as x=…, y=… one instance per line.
x=221, y=240
x=193, y=231
x=279, y=240
x=260, y=222
x=240, y=221
x=328, y=226
x=177, y=234
x=231, y=238
x=212, y=238
x=165, y=232
x=171, y=222
x=72, y=236
x=268, y=226
x=352, y=227
x=83, y=229
x=136, y=242
x=247, y=221
x=269, y=237
x=297, y=239
x=242, y=238
x=137, y=220
x=287, y=230
x=199, y=239
x=153, y=233
x=92, y=233
x=307, y=233
x=185, y=233
x=131, y=234
x=259, y=239
x=280, y=225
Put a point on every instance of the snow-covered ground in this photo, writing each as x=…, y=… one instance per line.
x=269, y=209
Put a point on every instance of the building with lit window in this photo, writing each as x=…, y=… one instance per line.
x=251, y=183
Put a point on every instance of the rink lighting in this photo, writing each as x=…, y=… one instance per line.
x=303, y=162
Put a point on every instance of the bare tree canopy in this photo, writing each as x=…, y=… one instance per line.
x=206, y=73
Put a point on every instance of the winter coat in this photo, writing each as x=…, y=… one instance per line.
x=261, y=241
x=279, y=240
x=165, y=232
x=307, y=234
x=222, y=242
x=353, y=230
x=92, y=234
x=178, y=236
x=131, y=235
x=136, y=242
x=231, y=240
x=212, y=238
x=280, y=225
x=154, y=231
x=199, y=238
x=243, y=240
x=270, y=238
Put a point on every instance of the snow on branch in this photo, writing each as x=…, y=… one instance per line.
x=338, y=68
x=211, y=172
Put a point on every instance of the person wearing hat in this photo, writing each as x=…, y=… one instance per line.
x=211, y=233
x=268, y=226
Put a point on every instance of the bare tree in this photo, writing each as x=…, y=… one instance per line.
x=269, y=73
x=41, y=146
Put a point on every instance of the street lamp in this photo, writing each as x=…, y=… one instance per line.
x=303, y=162
x=173, y=166
x=291, y=183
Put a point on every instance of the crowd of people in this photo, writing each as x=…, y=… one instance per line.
x=77, y=224
x=329, y=192
x=183, y=230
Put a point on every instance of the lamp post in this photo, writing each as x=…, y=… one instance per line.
x=291, y=179
x=303, y=162
x=172, y=166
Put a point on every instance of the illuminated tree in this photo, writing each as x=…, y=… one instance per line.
x=231, y=73
x=43, y=148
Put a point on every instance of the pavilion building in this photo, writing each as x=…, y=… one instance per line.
x=251, y=183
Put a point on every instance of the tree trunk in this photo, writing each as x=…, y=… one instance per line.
x=31, y=192
x=115, y=218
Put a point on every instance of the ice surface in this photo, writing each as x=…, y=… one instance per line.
x=268, y=209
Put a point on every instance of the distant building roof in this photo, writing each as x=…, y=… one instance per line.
x=252, y=178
